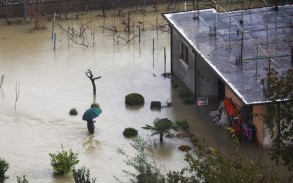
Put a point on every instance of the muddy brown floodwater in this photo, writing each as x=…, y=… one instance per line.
x=52, y=82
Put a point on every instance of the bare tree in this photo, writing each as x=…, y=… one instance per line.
x=36, y=11
x=90, y=75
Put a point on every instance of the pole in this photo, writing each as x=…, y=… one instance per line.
x=153, y=46
x=54, y=41
x=68, y=36
x=94, y=36
x=157, y=26
x=153, y=52
x=139, y=34
x=165, y=60
x=25, y=11
x=53, y=25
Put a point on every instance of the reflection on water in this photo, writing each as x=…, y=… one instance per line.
x=91, y=145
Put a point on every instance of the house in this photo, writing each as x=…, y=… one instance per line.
x=225, y=54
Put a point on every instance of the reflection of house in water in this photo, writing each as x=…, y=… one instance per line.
x=225, y=54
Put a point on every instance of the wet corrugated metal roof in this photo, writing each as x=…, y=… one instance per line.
x=266, y=32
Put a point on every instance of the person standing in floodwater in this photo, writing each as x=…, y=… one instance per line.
x=91, y=126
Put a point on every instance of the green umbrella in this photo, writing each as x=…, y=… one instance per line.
x=91, y=113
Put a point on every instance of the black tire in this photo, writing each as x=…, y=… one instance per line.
x=91, y=127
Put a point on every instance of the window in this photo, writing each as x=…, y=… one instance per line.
x=184, y=52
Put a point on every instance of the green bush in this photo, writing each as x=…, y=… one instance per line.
x=188, y=101
x=95, y=105
x=82, y=175
x=22, y=180
x=134, y=99
x=184, y=94
x=130, y=132
x=63, y=162
x=3, y=168
x=183, y=124
x=73, y=111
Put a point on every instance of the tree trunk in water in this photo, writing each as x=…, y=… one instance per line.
x=94, y=87
x=161, y=137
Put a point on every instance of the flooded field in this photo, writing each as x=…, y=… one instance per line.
x=51, y=82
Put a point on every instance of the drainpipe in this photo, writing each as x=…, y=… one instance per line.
x=171, y=35
x=292, y=55
x=195, y=73
x=279, y=127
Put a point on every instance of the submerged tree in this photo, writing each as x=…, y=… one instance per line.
x=279, y=115
x=161, y=127
x=90, y=75
x=146, y=166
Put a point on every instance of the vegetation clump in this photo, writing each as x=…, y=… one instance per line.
x=129, y=132
x=183, y=124
x=207, y=165
x=184, y=148
x=82, y=175
x=21, y=180
x=184, y=94
x=147, y=168
x=63, y=162
x=3, y=168
x=95, y=105
x=161, y=127
x=188, y=101
x=73, y=112
x=134, y=99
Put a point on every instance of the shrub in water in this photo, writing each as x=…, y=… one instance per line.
x=21, y=180
x=188, y=101
x=82, y=175
x=96, y=105
x=63, y=162
x=183, y=124
x=184, y=94
x=130, y=132
x=3, y=168
x=134, y=99
x=73, y=111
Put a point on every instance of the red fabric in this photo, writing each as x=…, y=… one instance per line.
x=230, y=108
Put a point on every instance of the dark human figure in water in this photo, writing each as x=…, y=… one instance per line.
x=91, y=126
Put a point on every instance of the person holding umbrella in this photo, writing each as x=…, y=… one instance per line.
x=89, y=116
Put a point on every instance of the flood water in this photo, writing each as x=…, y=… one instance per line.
x=52, y=82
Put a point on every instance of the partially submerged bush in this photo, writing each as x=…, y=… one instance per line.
x=183, y=124
x=184, y=148
x=188, y=101
x=134, y=99
x=130, y=132
x=95, y=105
x=82, y=175
x=21, y=180
x=73, y=111
x=3, y=168
x=63, y=162
x=184, y=94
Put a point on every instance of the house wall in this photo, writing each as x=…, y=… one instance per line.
x=236, y=101
x=184, y=72
x=197, y=76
